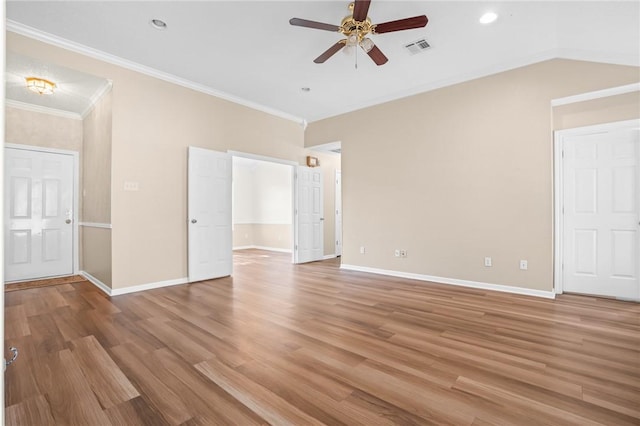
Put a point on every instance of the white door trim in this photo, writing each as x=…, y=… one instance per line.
x=558, y=170
x=76, y=186
x=338, y=201
x=261, y=158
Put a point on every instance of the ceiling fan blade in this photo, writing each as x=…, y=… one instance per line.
x=360, y=10
x=330, y=52
x=313, y=24
x=401, y=24
x=377, y=56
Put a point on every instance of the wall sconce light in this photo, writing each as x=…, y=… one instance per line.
x=40, y=85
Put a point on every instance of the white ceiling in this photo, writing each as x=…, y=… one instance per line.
x=75, y=92
x=247, y=51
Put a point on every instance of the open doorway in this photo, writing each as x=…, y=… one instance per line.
x=212, y=193
x=262, y=205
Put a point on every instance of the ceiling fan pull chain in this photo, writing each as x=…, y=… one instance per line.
x=356, y=47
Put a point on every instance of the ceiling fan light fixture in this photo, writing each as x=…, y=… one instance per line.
x=40, y=86
x=488, y=18
x=366, y=44
x=348, y=49
x=352, y=39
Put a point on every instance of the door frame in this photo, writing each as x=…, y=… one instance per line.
x=338, y=194
x=558, y=185
x=76, y=191
x=294, y=198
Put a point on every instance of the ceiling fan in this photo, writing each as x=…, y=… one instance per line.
x=356, y=27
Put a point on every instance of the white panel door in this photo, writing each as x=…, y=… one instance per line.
x=308, y=244
x=601, y=179
x=338, y=213
x=209, y=214
x=38, y=214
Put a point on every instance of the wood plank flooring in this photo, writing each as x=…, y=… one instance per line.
x=310, y=344
x=47, y=282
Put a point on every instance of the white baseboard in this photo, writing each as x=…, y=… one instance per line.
x=126, y=290
x=329, y=256
x=279, y=250
x=453, y=281
x=93, y=280
x=149, y=286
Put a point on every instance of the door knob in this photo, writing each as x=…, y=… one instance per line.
x=194, y=221
x=67, y=221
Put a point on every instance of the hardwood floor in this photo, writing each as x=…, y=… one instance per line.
x=47, y=282
x=312, y=344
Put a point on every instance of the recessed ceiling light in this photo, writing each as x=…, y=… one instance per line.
x=488, y=18
x=158, y=24
x=306, y=89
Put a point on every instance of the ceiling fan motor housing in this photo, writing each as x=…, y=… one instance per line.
x=350, y=27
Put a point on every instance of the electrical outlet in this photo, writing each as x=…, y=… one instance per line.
x=524, y=265
x=403, y=253
x=362, y=250
x=487, y=261
x=397, y=253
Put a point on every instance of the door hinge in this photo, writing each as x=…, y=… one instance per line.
x=563, y=153
x=295, y=247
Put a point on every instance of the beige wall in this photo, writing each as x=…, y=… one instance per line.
x=96, y=163
x=153, y=124
x=44, y=130
x=459, y=173
x=597, y=111
x=96, y=253
x=263, y=235
x=96, y=195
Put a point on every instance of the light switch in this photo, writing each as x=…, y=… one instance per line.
x=131, y=186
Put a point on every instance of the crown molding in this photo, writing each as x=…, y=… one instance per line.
x=106, y=88
x=599, y=56
x=42, y=109
x=48, y=38
x=604, y=93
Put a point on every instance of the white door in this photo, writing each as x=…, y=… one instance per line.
x=209, y=214
x=308, y=244
x=601, y=243
x=338, y=213
x=38, y=212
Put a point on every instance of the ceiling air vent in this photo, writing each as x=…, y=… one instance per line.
x=417, y=46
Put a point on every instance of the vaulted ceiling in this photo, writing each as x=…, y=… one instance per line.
x=247, y=51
